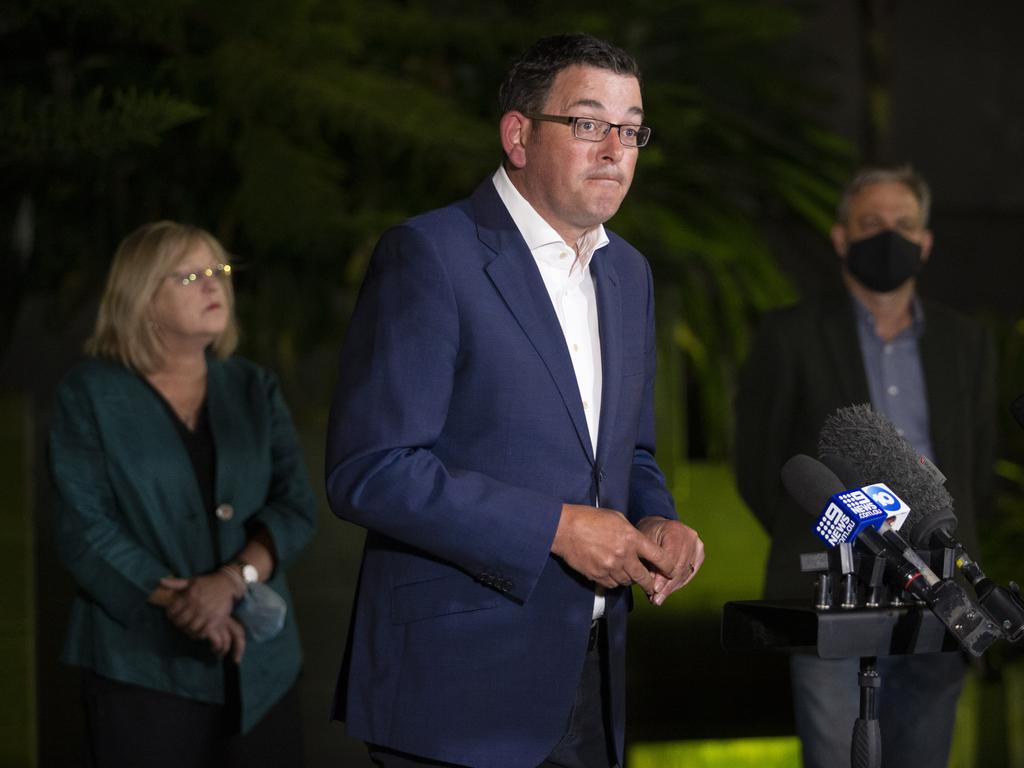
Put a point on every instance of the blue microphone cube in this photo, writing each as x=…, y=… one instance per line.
x=847, y=514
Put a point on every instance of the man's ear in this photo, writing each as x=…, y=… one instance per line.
x=927, y=240
x=839, y=242
x=514, y=129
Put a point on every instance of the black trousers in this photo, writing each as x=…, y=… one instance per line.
x=133, y=727
x=586, y=742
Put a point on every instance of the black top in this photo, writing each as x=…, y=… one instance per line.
x=202, y=452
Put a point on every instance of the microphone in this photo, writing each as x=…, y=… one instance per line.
x=859, y=443
x=815, y=487
x=849, y=516
x=879, y=493
x=874, y=449
x=885, y=498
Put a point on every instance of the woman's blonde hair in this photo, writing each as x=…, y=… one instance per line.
x=124, y=329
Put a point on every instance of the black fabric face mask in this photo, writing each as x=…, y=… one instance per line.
x=885, y=261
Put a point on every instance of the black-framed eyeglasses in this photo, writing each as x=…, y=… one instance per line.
x=592, y=129
x=214, y=270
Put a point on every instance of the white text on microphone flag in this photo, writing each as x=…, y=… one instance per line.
x=847, y=514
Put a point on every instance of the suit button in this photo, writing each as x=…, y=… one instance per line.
x=224, y=512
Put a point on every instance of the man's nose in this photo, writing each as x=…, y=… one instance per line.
x=611, y=146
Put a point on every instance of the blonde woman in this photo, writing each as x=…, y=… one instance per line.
x=180, y=485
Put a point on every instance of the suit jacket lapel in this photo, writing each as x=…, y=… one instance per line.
x=222, y=419
x=609, y=318
x=844, y=355
x=517, y=279
x=138, y=413
x=941, y=375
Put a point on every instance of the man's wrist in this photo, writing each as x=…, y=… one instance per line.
x=650, y=520
x=564, y=521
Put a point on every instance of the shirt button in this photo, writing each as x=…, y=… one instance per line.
x=224, y=512
x=575, y=347
x=586, y=405
x=887, y=349
x=893, y=390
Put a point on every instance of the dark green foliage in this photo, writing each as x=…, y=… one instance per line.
x=298, y=131
x=50, y=128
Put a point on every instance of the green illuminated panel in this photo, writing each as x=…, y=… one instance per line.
x=783, y=752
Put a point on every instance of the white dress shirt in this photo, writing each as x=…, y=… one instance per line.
x=566, y=274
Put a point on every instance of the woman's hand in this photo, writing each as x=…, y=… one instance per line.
x=226, y=637
x=201, y=602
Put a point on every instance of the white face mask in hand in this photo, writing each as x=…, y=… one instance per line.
x=262, y=611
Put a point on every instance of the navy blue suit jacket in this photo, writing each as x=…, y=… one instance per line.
x=456, y=434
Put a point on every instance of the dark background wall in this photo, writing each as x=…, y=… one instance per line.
x=955, y=108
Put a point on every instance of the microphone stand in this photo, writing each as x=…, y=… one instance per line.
x=866, y=747
x=795, y=626
x=839, y=626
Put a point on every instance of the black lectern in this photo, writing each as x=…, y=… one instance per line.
x=794, y=627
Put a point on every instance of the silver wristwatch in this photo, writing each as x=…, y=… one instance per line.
x=249, y=573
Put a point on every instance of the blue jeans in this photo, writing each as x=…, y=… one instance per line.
x=916, y=708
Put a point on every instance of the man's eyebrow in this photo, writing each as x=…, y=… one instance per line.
x=909, y=220
x=595, y=104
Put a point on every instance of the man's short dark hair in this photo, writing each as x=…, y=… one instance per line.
x=529, y=79
x=886, y=174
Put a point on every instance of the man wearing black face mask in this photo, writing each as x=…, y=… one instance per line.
x=884, y=262
x=930, y=371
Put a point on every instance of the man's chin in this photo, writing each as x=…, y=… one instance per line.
x=602, y=213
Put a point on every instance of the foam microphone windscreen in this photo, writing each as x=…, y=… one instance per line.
x=809, y=482
x=849, y=475
x=868, y=442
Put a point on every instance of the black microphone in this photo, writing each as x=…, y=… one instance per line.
x=813, y=485
x=869, y=448
x=870, y=444
x=851, y=477
x=873, y=447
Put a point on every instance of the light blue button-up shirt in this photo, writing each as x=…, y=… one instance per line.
x=895, y=377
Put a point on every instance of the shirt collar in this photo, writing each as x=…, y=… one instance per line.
x=865, y=318
x=537, y=233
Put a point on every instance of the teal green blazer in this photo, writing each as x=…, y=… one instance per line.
x=129, y=512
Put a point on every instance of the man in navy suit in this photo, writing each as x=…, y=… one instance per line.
x=493, y=431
